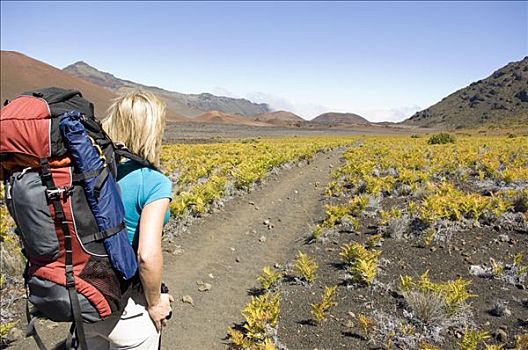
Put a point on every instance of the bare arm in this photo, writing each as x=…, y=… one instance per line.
x=150, y=260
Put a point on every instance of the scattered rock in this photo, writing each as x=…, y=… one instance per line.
x=211, y=276
x=524, y=302
x=52, y=325
x=15, y=334
x=501, y=335
x=188, y=300
x=504, y=238
x=178, y=250
x=500, y=309
x=349, y=324
x=237, y=259
x=268, y=223
x=262, y=239
x=479, y=271
x=203, y=286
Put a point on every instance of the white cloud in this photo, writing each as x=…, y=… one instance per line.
x=303, y=109
x=309, y=110
x=394, y=114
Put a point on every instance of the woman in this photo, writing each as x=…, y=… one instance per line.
x=137, y=119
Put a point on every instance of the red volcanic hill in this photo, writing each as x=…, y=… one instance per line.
x=333, y=118
x=225, y=118
x=20, y=73
x=280, y=118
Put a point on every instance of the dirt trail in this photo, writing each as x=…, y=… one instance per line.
x=227, y=246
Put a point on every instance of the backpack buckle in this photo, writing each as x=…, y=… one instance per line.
x=57, y=192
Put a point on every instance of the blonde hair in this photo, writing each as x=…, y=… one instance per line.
x=137, y=119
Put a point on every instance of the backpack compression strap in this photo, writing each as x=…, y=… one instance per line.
x=54, y=195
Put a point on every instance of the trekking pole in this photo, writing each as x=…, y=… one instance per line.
x=164, y=289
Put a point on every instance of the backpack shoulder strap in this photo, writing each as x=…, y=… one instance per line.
x=122, y=151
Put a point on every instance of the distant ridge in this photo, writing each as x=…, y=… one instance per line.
x=334, y=119
x=188, y=105
x=224, y=118
x=280, y=118
x=500, y=99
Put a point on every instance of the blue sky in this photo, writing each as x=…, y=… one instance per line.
x=383, y=60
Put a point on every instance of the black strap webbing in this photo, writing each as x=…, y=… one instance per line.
x=31, y=331
x=65, y=96
x=102, y=234
x=68, y=260
x=124, y=152
x=100, y=181
x=86, y=176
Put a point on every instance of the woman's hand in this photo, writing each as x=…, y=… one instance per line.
x=160, y=311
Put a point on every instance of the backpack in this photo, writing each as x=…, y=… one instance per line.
x=59, y=169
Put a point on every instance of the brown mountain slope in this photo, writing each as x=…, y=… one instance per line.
x=500, y=99
x=333, y=118
x=224, y=118
x=19, y=73
x=189, y=105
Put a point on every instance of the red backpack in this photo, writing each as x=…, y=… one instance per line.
x=69, y=276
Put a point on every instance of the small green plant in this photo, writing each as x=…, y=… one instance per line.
x=385, y=216
x=406, y=283
x=521, y=342
x=441, y=139
x=427, y=346
x=260, y=312
x=363, y=263
x=429, y=235
x=472, y=338
x=268, y=277
x=319, y=310
x=334, y=215
x=496, y=267
x=357, y=205
x=316, y=233
x=373, y=240
x=454, y=293
x=517, y=263
x=5, y=328
x=306, y=267
x=366, y=325
x=493, y=347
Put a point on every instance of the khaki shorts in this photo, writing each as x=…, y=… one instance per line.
x=134, y=330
